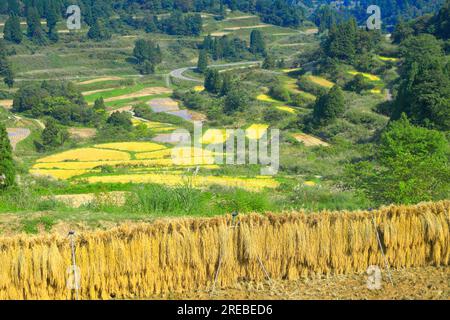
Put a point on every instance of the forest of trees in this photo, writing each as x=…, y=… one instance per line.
x=437, y=25
x=391, y=11
x=350, y=44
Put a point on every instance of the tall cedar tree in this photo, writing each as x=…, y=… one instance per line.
x=213, y=81
x=34, y=30
x=7, y=168
x=98, y=32
x=202, y=64
x=5, y=67
x=12, y=31
x=257, y=44
x=328, y=106
x=424, y=93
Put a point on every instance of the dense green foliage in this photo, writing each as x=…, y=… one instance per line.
x=202, y=63
x=424, y=93
x=328, y=106
x=6, y=71
x=7, y=167
x=61, y=101
x=148, y=55
x=410, y=164
x=437, y=25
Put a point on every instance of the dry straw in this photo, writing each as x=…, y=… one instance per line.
x=141, y=260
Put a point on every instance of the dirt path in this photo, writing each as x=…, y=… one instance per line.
x=178, y=73
x=100, y=80
x=7, y=104
x=141, y=93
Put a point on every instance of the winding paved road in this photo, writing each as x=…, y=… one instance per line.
x=178, y=73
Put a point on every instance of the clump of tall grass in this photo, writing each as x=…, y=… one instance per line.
x=158, y=199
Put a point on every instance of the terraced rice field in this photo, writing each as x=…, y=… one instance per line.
x=82, y=133
x=287, y=109
x=266, y=98
x=251, y=184
x=152, y=162
x=369, y=76
x=87, y=154
x=256, y=131
x=154, y=126
x=388, y=59
x=309, y=141
x=199, y=88
x=101, y=79
x=131, y=146
x=214, y=136
x=321, y=81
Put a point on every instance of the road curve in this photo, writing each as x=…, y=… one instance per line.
x=178, y=73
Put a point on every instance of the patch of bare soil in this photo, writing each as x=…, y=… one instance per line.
x=238, y=18
x=7, y=104
x=142, y=93
x=409, y=283
x=164, y=105
x=100, y=80
x=82, y=133
x=312, y=31
x=166, y=138
x=87, y=93
x=219, y=34
x=247, y=27
x=309, y=141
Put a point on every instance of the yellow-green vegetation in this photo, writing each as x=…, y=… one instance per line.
x=86, y=154
x=320, y=81
x=388, y=59
x=180, y=255
x=266, y=98
x=256, y=131
x=131, y=146
x=214, y=136
x=200, y=181
x=199, y=88
x=287, y=109
x=369, y=76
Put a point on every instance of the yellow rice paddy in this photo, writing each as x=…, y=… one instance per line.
x=287, y=109
x=199, y=88
x=214, y=136
x=369, y=76
x=182, y=255
x=321, y=81
x=251, y=184
x=132, y=146
x=388, y=59
x=86, y=154
x=159, y=154
x=266, y=98
x=58, y=173
x=256, y=131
